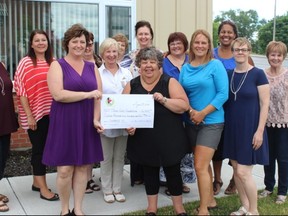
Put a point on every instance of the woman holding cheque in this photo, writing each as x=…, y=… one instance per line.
x=166, y=143
x=114, y=78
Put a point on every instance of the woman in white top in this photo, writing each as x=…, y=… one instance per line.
x=114, y=141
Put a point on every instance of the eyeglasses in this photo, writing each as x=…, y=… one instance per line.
x=90, y=44
x=237, y=50
x=175, y=43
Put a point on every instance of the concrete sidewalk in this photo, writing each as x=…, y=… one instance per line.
x=24, y=201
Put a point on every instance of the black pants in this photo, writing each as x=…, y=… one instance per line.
x=173, y=177
x=4, y=152
x=136, y=172
x=38, y=139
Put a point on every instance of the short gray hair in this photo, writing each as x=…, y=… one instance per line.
x=150, y=53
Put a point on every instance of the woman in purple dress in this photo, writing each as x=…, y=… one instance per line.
x=245, y=138
x=73, y=142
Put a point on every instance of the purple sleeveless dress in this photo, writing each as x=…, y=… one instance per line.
x=72, y=138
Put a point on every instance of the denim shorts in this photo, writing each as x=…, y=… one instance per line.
x=205, y=135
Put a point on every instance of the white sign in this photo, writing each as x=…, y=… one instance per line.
x=127, y=110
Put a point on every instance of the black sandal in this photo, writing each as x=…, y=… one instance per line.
x=167, y=192
x=91, y=185
x=217, y=187
x=4, y=198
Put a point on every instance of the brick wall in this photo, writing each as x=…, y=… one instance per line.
x=20, y=138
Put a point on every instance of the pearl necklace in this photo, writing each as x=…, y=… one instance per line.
x=2, y=86
x=232, y=87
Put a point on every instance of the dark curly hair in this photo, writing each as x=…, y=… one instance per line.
x=149, y=53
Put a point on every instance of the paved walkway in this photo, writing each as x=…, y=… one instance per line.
x=23, y=201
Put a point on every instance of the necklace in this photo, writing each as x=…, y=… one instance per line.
x=232, y=87
x=2, y=86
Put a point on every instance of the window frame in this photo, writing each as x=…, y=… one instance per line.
x=102, y=18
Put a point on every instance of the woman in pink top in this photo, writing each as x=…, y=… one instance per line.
x=34, y=102
x=277, y=122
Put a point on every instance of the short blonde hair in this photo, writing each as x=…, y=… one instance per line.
x=276, y=46
x=241, y=41
x=106, y=44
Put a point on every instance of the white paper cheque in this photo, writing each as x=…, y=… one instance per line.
x=127, y=110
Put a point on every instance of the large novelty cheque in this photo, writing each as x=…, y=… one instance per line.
x=127, y=110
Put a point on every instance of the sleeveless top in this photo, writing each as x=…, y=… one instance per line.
x=166, y=143
x=72, y=138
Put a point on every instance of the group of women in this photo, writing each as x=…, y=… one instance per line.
x=59, y=105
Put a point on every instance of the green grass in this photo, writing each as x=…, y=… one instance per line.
x=228, y=204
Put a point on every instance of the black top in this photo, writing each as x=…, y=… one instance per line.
x=166, y=143
x=8, y=120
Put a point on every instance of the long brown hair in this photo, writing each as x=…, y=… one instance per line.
x=31, y=52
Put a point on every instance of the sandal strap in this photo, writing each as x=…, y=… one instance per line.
x=241, y=211
x=4, y=198
x=92, y=185
x=6, y=208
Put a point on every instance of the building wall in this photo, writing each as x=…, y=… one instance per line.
x=20, y=138
x=167, y=16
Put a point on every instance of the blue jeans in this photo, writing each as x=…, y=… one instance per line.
x=278, y=150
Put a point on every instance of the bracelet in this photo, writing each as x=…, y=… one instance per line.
x=189, y=111
x=164, y=100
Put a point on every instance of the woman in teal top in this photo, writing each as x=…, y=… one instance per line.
x=205, y=82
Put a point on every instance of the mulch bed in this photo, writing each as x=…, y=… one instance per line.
x=18, y=164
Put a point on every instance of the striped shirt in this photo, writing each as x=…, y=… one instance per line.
x=31, y=82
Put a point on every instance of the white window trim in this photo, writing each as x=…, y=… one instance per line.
x=102, y=19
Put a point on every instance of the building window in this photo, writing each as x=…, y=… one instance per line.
x=19, y=18
x=118, y=20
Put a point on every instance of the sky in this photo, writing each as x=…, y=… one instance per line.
x=264, y=8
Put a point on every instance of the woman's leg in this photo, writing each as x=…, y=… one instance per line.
x=282, y=160
x=174, y=183
x=64, y=186
x=246, y=186
x=203, y=156
x=79, y=183
x=217, y=161
x=118, y=162
x=217, y=184
x=106, y=165
x=152, y=184
x=4, y=152
x=269, y=170
x=38, y=139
